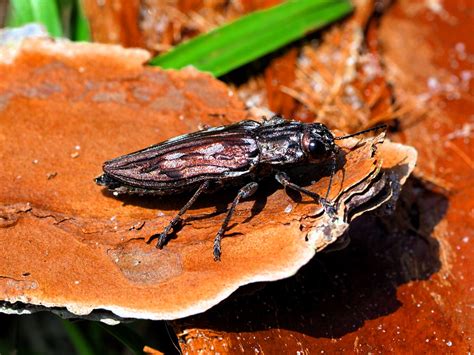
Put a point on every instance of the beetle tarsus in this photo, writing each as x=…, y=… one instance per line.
x=177, y=219
x=329, y=208
x=283, y=179
x=217, y=247
x=162, y=239
x=164, y=235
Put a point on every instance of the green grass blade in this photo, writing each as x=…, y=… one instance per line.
x=254, y=48
x=81, y=345
x=40, y=11
x=20, y=13
x=252, y=36
x=126, y=336
x=81, y=31
x=46, y=12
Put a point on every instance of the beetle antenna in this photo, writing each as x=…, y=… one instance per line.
x=376, y=128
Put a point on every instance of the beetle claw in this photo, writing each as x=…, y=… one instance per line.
x=329, y=208
x=162, y=240
x=217, y=252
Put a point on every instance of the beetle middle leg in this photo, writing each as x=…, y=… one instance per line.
x=164, y=236
x=245, y=192
x=284, y=179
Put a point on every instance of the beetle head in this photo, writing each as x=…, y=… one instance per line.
x=318, y=142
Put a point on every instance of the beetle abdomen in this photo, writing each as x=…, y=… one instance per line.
x=214, y=155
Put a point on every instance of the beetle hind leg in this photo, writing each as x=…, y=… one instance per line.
x=245, y=192
x=164, y=235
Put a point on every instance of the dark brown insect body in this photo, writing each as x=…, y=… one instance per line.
x=209, y=159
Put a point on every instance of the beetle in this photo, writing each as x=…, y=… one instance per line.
x=212, y=158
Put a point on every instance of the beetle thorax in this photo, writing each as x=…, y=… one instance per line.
x=281, y=149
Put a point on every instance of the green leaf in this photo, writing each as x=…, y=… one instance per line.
x=250, y=37
x=40, y=11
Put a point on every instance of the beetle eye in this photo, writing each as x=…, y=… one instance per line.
x=316, y=147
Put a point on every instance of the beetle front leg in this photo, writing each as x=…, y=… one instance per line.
x=245, y=192
x=164, y=236
x=284, y=179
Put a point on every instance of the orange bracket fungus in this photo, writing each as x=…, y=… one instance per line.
x=69, y=246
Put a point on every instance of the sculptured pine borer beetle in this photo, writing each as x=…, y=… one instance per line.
x=206, y=160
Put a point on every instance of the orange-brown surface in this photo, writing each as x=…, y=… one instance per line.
x=404, y=283
x=114, y=21
x=68, y=243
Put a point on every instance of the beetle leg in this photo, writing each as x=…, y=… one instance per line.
x=333, y=171
x=284, y=179
x=245, y=192
x=163, y=236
